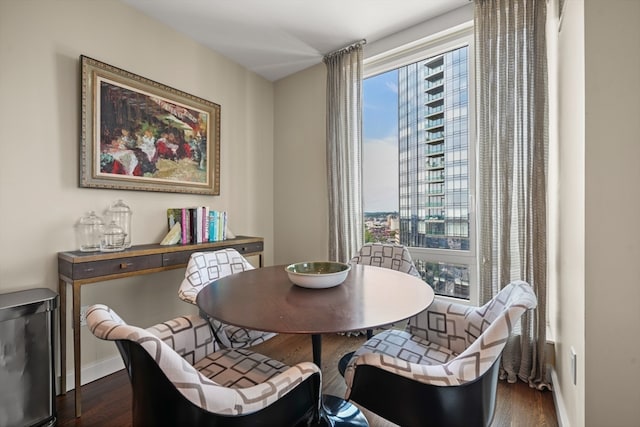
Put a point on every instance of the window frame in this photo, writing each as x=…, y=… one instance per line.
x=459, y=36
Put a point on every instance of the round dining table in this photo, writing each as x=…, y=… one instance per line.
x=265, y=299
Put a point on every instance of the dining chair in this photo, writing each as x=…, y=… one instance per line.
x=386, y=255
x=177, y=378
x=206, y=267
x=443, y=370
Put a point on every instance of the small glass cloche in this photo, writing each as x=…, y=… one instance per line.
x=89, y=230
x=121, y=213
x=113, y=238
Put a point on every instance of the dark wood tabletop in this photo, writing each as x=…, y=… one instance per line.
x=265, y=299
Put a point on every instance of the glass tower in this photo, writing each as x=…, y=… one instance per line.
x=433, y=152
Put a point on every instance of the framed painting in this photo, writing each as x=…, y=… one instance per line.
x=138, y=134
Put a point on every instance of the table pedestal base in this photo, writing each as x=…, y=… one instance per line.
x=338, y=412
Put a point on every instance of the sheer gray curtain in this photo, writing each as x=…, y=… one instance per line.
x=344, y=137
x=512, y=142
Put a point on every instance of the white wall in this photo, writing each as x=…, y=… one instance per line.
x=300, y=170
x=599, y=234
x=612, y=203
x=40, y=43
x=570, y=195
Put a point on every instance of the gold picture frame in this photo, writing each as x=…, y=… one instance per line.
x=138, y=134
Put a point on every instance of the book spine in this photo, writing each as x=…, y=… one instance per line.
x=205, y=224
x=198, y=211
x=212, y=235
x=215, y=226
x=193, y=225
x=224, y=225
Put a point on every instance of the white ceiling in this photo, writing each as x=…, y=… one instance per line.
x=276, y=38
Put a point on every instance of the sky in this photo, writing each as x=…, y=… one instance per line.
x=380, y=142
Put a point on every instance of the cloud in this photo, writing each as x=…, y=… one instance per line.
x=392, y=86
x=380, y=174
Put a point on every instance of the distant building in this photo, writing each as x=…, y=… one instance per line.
x=392, y=222
x=433, y=147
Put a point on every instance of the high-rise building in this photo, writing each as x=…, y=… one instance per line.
x=433, y=141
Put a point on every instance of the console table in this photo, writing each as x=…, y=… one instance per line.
x=82, y=268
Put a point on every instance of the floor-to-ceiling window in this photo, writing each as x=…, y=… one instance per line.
x=418, y=161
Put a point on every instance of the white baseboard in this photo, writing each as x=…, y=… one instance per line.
x=94, y=371
x=561, y=410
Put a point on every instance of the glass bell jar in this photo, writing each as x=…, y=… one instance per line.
x=120, y=213
x=113, y=238
x=89, y=231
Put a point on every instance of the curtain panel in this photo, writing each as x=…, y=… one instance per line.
x=511, y=72
x=344, y=158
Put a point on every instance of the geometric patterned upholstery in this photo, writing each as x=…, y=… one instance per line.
x=206, y=267
x=386, y=255
x=407, y=347
x=190, y=336
x=239, y=368
x=226, y=382
x=449, y=343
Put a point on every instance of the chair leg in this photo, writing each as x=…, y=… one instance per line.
x=369, y=334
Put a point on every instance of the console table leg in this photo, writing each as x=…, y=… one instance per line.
x=62, y=291
x=76, y=349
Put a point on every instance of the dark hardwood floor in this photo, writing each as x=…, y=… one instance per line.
x=107, y=402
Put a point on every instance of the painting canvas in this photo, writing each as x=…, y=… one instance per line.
x=138, y=134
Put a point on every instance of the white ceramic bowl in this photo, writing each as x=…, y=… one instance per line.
x=318, y=274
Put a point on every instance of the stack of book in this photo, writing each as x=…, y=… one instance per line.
x=198, y=224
